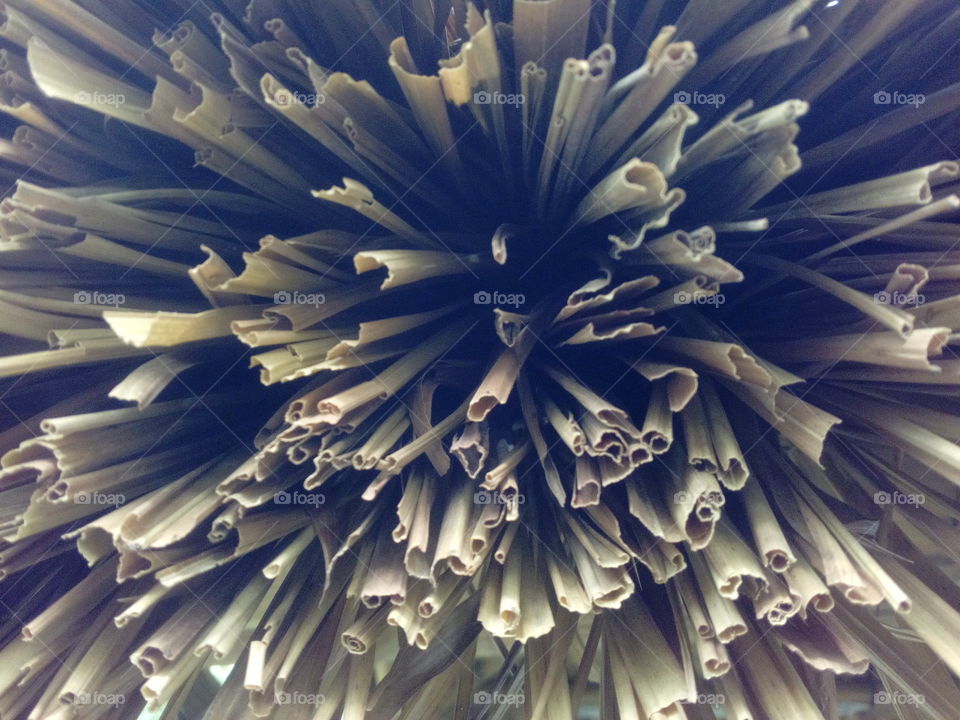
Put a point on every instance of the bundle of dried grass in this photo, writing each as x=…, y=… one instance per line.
x=585, y=377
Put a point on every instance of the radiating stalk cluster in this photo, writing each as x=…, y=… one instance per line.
x=455, y=360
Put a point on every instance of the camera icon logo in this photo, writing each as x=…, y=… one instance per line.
x=482, y=698
x=482, y=97
x=682, y=497
x=482, y=297
x=682, y=97
x=882, y=97
x=282, y=498
x=282, y=297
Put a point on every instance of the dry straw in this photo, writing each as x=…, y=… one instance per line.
x=444, y=359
